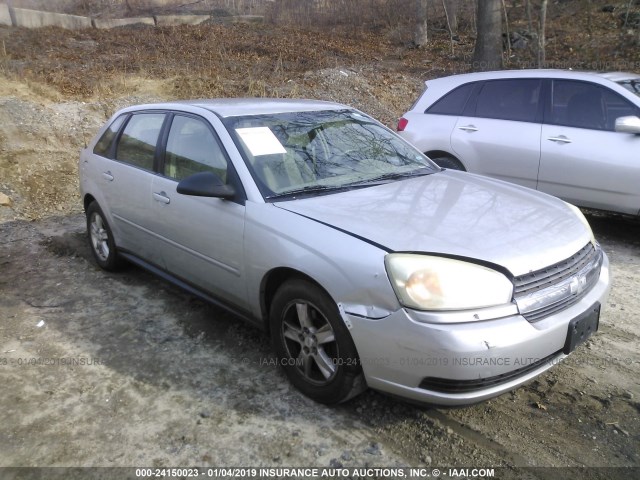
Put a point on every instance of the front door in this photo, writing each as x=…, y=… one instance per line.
x=202, y=238
x=583, y=159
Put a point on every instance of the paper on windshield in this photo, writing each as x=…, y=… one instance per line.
x=260, y=141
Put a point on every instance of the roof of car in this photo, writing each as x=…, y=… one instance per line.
x=540, y=73
x=232, y=107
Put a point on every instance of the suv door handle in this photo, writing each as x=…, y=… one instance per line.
x=108, y=176
x=469, y=128
x=559, y=139
x=161, y=197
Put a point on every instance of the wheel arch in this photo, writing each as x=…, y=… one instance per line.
x=86, y=201
x=433, y=154
x=270, y=284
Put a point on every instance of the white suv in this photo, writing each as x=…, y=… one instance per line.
x=571, y=134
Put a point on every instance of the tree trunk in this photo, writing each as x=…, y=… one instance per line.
x=421, y=34
x=541, y=36
x=451, y=7
x=529, y=17
x=487, y=54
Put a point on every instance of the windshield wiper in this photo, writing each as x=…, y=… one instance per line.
x=392, y=176
x=311, y=189
x=308, y=190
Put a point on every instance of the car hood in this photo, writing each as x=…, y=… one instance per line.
x=455, y=213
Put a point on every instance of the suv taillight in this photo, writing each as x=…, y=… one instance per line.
x=402, y=124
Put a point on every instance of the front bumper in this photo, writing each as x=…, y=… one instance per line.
x=400, y=351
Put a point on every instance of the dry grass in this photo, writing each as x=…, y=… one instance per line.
x=242, y=59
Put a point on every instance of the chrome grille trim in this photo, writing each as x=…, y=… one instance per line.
x=549, y=290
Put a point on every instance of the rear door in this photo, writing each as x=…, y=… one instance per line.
x=201, y=238
x=499, y=133
x=584, y=160
x=129, y=179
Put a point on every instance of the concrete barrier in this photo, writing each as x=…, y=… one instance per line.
x=5, y=16
x=247, y=19
x=121, y=22
x=22, y=17
x=169, y=20
x=36, y=19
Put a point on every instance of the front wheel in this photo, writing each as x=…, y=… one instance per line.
x=101, y=240
x=313, y=344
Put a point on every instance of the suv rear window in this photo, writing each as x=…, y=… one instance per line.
x=517, y=100
x=453, y=102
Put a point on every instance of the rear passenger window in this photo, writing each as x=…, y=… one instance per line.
x=193, y=148
x=137, y=145
x=453, y=102
x=517, y=100
x=103, y=147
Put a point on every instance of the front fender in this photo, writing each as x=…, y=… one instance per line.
x=350, y=269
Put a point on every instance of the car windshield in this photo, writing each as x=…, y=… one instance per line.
x=633, y=85
x=310, y=153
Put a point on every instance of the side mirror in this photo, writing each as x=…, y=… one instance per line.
x=629, y=124
x=205, y=184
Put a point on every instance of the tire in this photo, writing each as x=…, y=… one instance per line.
x=101, y=240
x=449, y=163
x=313, y=344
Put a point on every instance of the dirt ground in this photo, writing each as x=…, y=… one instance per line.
x=100, y=369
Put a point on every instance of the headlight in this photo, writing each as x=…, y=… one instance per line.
x=426, y=282
x=583, y=219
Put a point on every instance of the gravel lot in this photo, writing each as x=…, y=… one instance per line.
x=123, y=369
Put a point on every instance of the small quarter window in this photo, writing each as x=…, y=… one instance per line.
x=103, y=147
x=137, y=146
x=452, y=103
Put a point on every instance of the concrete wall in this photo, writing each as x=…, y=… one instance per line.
x=5, y=16
x=121, y=22
x=35, y=19
x=168, y=20
x=23, y=17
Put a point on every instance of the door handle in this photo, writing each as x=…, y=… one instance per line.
x=161, y=197
x=468, y=128
x=559, y=139
x=107, y=176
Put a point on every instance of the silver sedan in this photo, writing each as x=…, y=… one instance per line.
x=365, y=262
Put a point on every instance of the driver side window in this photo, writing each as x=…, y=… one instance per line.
x=586, y=105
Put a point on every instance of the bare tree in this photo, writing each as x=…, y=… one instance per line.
x=529, y=17
x=451, y=10
x=626, y=17
x=422, y=32
x=542, y=34
x=487, y=54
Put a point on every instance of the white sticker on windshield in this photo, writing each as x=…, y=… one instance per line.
x=260, y=141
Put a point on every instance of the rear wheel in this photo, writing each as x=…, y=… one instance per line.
x=313, y=344
x=101, y=240
x=449, y=163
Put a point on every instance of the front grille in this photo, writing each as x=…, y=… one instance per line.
x=552, y=289
x=446, y=385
